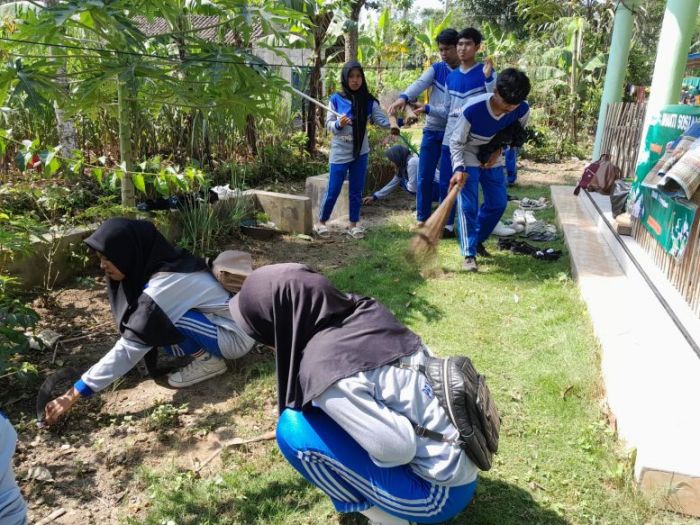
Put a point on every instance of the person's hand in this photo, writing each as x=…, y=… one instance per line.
x=398, y=105
x=60, y=406
x=344, y=121
x=418, y=108
x=488, y=67
x=367, y=200
x=458, y=179
x=493, y=158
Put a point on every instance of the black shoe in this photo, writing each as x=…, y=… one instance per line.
x=481, y=250
x=469, y=265
x=448, y=234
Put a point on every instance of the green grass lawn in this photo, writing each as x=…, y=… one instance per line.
x=525, y=327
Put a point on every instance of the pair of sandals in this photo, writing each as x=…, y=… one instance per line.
x=521, y=247
x=533, y=204
x=322, y=231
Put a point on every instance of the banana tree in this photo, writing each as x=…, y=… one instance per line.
x=564, y=68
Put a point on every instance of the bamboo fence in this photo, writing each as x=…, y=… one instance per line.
x=622, y=134
x=621, y=139
x=683, y=274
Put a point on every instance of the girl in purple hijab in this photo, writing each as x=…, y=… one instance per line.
x=350, y=406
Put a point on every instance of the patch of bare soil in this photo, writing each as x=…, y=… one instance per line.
x=92, y=458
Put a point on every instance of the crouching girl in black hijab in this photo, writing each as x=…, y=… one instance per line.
x=346, y=411
x=160, y=296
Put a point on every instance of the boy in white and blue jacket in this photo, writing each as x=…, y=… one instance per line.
x=349, y=145
x=469, y=80
x=478, y=123
x=434, y=78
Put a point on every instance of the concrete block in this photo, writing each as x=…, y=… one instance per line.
x=291, y=213
x=316, y=190
x=673, y=491
x=50, y=261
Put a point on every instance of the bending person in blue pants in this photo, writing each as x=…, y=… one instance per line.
x=347, y=407
x=433, y=78
x=13, y=509
x=160, y=296
x=478, y=123
x=406, y=165
x=349, y=145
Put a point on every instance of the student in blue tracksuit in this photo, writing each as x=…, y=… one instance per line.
x=13, y=509
x=478, y=123
x=349, y=145
x=160, y=296
x=470, y=79
x=430, y=149
x=406, y=165
x=348, y=413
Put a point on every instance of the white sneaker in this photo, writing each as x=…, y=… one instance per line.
x=200, y=369
x=523, y=217
x=501, y=230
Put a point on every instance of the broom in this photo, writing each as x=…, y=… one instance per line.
x=424, y=243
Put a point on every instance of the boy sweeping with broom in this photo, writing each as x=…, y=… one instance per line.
x=480, y=120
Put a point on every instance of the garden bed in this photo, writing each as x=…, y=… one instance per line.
x=131, y=453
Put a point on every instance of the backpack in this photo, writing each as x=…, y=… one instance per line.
x=465, y=397
x=599, y=176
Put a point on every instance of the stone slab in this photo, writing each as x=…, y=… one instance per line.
x=290, y=213
x=316, y=190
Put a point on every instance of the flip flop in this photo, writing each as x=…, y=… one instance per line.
x=358, y=232
x=321, y=230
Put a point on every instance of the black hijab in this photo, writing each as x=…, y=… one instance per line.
x=399, y=155
x=320, y=334
x=138, y=250
x=360, y=99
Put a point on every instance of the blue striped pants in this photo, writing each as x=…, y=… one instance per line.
x=329, y=458
x=199, y=333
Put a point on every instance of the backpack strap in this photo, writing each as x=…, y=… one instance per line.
x=420, y=430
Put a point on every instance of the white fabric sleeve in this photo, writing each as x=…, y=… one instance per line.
x=458, y=143
x=114, y=364
x=441, y=111
x=523, y=120
x=424, y=82
x=331, y=119
x=412, y=169
x=491, y=85
x=387, y=436
x=379, y=118
x=388, y=188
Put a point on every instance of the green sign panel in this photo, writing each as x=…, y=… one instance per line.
x=668, y=220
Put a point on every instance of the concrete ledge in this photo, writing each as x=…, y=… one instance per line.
x=650, y=371
x=50, y=261
x=316, y=190
x=291, y=213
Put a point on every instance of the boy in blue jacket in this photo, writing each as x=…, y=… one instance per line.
x=478, y=123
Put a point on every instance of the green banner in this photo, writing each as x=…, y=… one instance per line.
x=668, y=220
x=668, y=126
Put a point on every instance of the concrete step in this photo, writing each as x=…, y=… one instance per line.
x=651, y=373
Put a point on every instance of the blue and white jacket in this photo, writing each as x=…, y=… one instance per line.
x=341, y=143
x=462, y=85
x=434, y=77
x=173, y=294
x=476, y=126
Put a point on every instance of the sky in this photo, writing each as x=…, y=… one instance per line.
x=432, y=4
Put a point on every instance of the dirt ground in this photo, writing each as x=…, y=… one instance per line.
x=87, y=464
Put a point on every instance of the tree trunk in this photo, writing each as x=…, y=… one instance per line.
x=352, y=34
x=251, y=135
x=125, y=154
x=321, y=22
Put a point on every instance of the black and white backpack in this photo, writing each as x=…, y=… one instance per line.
x=465, y=397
